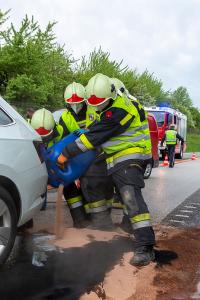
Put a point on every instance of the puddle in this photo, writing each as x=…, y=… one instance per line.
x=54, y=274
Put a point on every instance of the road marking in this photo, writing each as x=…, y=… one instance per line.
x=186, y=211
x=177, y=221
x=182, y=216
x=189, y=206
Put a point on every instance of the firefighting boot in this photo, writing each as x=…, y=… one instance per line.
x=101, y=221
x=79, y=217
x=143, y=256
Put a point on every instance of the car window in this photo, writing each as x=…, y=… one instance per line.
x=4, y=118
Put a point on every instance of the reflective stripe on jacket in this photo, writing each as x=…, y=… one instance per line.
x=134, y=142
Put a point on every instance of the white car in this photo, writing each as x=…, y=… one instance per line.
x=23, y=175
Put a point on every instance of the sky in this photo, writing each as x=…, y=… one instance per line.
x=162, y=36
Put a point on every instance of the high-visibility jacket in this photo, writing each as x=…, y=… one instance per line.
x=91, y=116
x=131, y=144
x=57, y=135
x=119, y=134
x=171, y=137
x=70, y=121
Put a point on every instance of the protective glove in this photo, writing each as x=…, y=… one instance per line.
x=61, y=159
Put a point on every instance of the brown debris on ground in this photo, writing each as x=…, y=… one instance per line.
x=174, y=276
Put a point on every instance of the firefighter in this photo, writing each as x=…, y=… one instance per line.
x=43, y=122
x=118, y=132
x=120, y=88
x=74, y=118
x=97, y=186
x=29, y=113
x=170, y=138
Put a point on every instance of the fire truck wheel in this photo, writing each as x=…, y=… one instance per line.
x=180, y=154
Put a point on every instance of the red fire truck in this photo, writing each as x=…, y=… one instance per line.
x=153, y=128
x=164, y=117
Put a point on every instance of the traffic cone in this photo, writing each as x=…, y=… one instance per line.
x=193, y=156
x=166, y=162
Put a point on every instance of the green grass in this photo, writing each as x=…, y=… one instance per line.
x=193, y=143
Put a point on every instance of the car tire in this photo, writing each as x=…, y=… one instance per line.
x=8, y=224
x=147, y=171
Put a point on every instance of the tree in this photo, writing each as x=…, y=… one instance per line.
x=97, y=62
x=35, y=68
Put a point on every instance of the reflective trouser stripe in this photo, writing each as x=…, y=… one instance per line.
x=140, y=217
x=109, y=202
x=95, y=207
x=141, y=224
x=141, y=220
x=170, y=143
x=75, y=202
x=118, y=205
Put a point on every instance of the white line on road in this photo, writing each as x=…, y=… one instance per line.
x=187, y=211
x=182, y=216
x=177, y=221
x=189, y=206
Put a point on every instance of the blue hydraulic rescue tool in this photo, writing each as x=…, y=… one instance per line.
x=74, y=168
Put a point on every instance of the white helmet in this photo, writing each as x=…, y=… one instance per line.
x=99, y=90
x=75, y=96
x=119, y=85
x=43, y=122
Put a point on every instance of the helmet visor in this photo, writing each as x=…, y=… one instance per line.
x=93, y=100
x=74, y=99
x=43, y=132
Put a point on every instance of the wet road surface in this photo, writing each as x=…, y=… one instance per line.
x=167, y=188
x=68, y=273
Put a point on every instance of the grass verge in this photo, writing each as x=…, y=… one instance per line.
x=193, y=143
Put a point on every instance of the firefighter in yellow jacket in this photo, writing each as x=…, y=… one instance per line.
x=73, y=118
x=127, y=149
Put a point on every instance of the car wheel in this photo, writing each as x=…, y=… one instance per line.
x=8, y=224
x=147, y=171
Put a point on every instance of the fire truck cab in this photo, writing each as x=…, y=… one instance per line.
x=164, y=117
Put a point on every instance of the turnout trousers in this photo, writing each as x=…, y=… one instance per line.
x=74, y=199
x=97, y=188
x=171, y=154
x=129, y=181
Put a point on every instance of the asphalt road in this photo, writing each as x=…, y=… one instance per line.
x=167, y=187
x=173, y=196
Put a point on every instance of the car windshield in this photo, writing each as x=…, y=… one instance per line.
x=159, y=116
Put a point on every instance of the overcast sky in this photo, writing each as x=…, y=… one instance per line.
x=162, y=36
